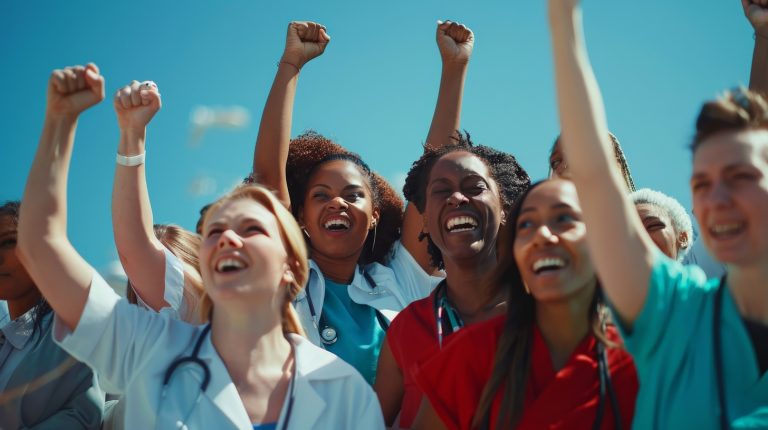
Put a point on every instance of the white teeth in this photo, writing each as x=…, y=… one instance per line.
x=725, y=228
x=467, y=223
x=336, y=222
x=554, y=263
x=229, y=264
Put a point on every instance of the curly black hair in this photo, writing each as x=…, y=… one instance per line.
x=310, y=150
x=511, y=178
x=12, y=209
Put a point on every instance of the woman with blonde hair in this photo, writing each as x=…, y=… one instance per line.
x=249, y=368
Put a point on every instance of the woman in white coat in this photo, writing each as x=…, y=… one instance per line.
x=248, y=369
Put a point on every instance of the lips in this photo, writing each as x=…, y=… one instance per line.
x=726, y=230
x=230, y=264
x=337, y=223
x=461, y=223
x=547, y=264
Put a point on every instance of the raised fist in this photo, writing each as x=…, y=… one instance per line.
x=455, y=42
x=757, y=14
x=136, y=104
x=72, y=90
x=305, y=40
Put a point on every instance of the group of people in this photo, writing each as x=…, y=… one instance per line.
x=312, y=297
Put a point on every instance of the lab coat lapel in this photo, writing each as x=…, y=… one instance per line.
x=221, y=390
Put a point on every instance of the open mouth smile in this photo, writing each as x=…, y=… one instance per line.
x=461, y=223
x=230, y=264
x=547, y=264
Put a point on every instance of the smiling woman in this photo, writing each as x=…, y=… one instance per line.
x=535, y=368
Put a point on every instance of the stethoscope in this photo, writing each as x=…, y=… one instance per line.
x=446, y=315
x=719, y=354
x=195, y=360
x=328, y=334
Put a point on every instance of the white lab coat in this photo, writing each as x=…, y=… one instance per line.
x=131, y=349
x=399, y=283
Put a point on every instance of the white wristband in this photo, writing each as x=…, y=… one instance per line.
x=132, y=160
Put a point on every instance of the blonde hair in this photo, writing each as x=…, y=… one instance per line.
x=293, y=241
x=736, y=110
x=185, y=245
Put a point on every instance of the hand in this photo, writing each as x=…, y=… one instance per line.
x=136, y=104
x=74, y=89
x=305, y=40
x=757, y=14
x=455, y=42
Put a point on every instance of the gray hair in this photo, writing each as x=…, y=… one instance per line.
x=681, y=221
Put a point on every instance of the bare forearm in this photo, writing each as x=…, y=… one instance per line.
x=271, y=153
x=758, y=78
x=447, y=117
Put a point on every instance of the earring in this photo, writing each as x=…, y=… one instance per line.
x=527, y=289
x=373, y=244
x=306, y=233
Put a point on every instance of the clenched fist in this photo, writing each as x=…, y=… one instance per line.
x=305, y=40
x=455, y=42
x=757, y=13
x=136, y=104
x=72, y=90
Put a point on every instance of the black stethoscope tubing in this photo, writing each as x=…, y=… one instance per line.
x=606, y=385
x=194, y=359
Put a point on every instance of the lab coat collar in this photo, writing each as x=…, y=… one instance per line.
x=312, y=364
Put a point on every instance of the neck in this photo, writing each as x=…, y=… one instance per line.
x=749, y=287
x=563, y=325
x=19, y=306
x=339, y=270
x=468, y=291
x=251, y=346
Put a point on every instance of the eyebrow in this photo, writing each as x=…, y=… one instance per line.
x=348, y=187
x=555, y=206
x=727, y=169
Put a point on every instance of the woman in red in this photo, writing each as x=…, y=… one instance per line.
x=551, y=362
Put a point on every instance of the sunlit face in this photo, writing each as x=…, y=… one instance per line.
x=659, y=226
x=730, y=195
x=242, y=257
x=550, y=245
x=338, y=210
x=15, y=282
x=463, y=209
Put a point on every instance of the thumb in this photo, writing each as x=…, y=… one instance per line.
x=94, y=80
x=150, y=97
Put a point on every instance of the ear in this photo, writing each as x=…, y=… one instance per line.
x=288, y=276
x=503, y=217
x=683, y=240
x=375, y=217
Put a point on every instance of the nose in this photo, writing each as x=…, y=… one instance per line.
x=338, y=203
x=457, y=199
x=544, y=235
x=720, y=194
x=229, y=239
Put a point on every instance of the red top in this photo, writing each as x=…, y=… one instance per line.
x=411, y=336
x=454, y=380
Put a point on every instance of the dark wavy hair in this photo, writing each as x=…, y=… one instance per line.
x=512, y=361
x=511, y=178
x=309, y=151
x=11, y=209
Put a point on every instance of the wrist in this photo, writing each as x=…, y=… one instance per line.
x=289, y=65
x=760, y=36
x=60, y=119
x=455, y=66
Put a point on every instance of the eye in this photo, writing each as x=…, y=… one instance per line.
x=215, y=231
x=554, y=163
x=254, y=229
x=524, y=224
x=320, y=195
x=653, y=226
x=353, y=197
x=7, y=243
x=440, y=191
x=477, y=188
x=698, y=186
x=565, y=218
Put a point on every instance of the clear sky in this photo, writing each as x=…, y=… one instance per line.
x=372, y=91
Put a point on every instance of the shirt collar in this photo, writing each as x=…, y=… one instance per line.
x=19, y=331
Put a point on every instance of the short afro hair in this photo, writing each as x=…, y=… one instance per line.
x=510, y=177
x=681, y=221
x=310, y=150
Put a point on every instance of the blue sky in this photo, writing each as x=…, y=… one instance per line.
x=373, y=90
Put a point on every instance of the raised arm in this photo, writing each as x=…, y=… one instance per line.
x=60, y=273
x=620, y=248
x=455, y=42
x=304, y=41
x=141, y=253
x=757, y=13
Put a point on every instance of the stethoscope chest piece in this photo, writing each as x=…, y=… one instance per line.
x=329, y=335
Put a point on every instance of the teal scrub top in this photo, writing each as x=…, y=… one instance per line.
x=672, y=344
x=359, y=335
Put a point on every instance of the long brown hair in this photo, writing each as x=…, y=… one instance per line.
x=512, y=361
x=292, y=238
